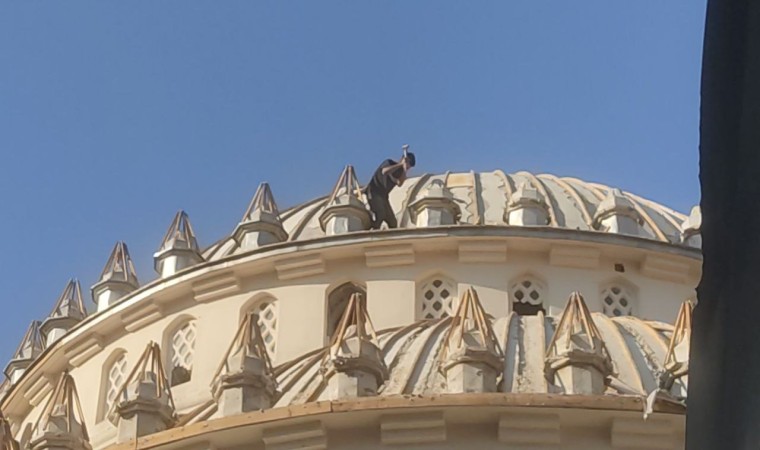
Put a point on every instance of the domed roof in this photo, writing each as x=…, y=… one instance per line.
x=484, y=198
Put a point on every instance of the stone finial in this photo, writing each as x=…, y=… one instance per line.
x=179, y=248
x=68, y=311
x=345, y=211
x=6, y=436
x=145, y=404
x=577, y=360
x=435, y=206
x=353, y=365
x=61, y=425
x=261, y=224
x=527, y=207
x=617, y=214
x=677, y=357
x=245, y=380
x=28, y=350
x=117, y=279
x=471, y=358
x=691, y=228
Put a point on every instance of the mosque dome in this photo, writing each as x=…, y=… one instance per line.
x=505, y=311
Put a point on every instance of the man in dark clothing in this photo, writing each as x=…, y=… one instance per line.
x=389, y=175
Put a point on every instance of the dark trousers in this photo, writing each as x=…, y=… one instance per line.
x=381, y=211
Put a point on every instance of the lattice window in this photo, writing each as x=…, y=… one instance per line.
x=617, y=300
x=266, y=316
x=437, y=297
x=337, y=302
x=527, y=296
x=182, y=351
x=115, y=377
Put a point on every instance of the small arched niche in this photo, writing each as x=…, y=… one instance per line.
x=337, y=301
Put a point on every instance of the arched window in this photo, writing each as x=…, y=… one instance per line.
x=618, y=299
x=337, y=301
x=527, y=294
x=181, y=352
x=114, y=376
x=266, y=316
x=435, y=297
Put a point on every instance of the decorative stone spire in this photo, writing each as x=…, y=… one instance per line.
x=435, y=206
x=617, y=214
x=245, y=380
x=527, y=207
x=345, y=211
x=691, y=228
x=677, y=358
x=145, y=404
x=29, y=349
x=179, y=249
x=61, y=425
x=68, y=311
x=6, y=437
x=261, y=224
x=577, y=360
x=471, y=357
x=117, y=279
x=353, y=365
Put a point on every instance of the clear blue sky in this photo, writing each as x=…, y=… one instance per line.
x=114, y=115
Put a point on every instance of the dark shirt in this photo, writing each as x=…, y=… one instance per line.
x=382, y=183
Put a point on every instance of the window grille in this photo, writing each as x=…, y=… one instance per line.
x=182, y=351
x=527, y=296
x=266, y=316
x=437, y=298
x=617, y=301
x=115, y=377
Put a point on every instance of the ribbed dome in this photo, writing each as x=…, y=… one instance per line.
x=486, y=198
x=636, y=347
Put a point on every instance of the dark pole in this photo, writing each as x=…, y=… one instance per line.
x=724, y=377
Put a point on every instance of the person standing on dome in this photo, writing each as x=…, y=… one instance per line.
x=387, y=176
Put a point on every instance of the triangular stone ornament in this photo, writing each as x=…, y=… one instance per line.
x=527, y=207
x=61, y=424
x=261, y=223
x=616, y=213
x=677, y=357
x=353, y=365
x=577, y=360
x=245, y=380
x=6, y=436
x=471, y=357
x=345, y=211
x=691, y=228
x=117, y=279
x=28, y=350
x=179, y=248
x=67, y=312
x=435, y=206
x=144, y=405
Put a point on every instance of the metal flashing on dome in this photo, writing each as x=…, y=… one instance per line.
x=62, y=420
x=119, y=267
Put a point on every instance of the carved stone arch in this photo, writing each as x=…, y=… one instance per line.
x=436, y=296
x=266, y=309
x=527, y=294
x=113, y=374
x=179, y=349
x=618, y=297
x=337, y=299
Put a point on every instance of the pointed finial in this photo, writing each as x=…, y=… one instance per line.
x=691, y=228
x=67, y=312
x=677, y=358
x=470, y=319
x=31, y=346
x=117, y=279
x=261, y=224
x=576, y=358
x=353, y=364
x=245, y=379
x=179, y=248
x=345, y=210
x=435, y=206
x=61, y=423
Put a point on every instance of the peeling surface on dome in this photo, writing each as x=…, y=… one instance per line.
x=483, y=198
